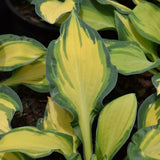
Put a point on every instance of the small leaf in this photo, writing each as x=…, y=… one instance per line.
x=114, y=125
x=96, y=15
x=9, y=104
x=31, y=75
x=121, y=8
x=52, y=10
x=126, y=31
x=145, y=144
x=36, y=143
x=59, y=119
x=129, y=58
x=17, y=51
x=145, y=19
x=156, y=82
x=137, y=1
x=149, y=112
x=13, y=156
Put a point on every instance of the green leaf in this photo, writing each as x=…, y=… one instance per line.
x=156, y=82
x=13, y=156
x=121, y=8
x=114, y=125
x=31, y=75
x=149, y=112
x=80, y=74
x=59, y=119
x=52, y=10
x=145, y=19
x=16, y=51
x=129, y=58
x=96, y=15
x=137, y=1
x=36, y=143
x=145, y=144
x=9, y=104
x=126, y=31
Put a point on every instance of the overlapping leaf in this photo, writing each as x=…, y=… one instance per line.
x=114, y=125
x=145, y=19
x=145, y=144
x=129, y=58
x=13, y=156
x=31, y=75
x=96, y=15
x=9, y=104
x=156, y=82
x=52, y=10
x=149, y=112
x=17, y=51
x=36, y=143
x=121, y=8
x=59, y=119
x=126, y=31
x=80, y=73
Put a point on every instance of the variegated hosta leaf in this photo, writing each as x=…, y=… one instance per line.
x=126, y=31
x=149, y=112
x=144, y=18
x=17, y=51
x=156, y=82
x=9, y=104
x=114, y=125
x=59, y=119
x=145, y=144
x=36, y=143
x=52, y=10
x=13, y=156
x=96, y=15
x=121, y=8
x=31, y=75
x=129, y=58
x=80, y=73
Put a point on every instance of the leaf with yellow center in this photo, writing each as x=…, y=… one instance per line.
x=145, y=144
x=80, y=73
x=16, y=51
x=52, y=10
x=149, y=112
x=59, y=119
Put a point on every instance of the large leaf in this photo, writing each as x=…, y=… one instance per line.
x=17, y=51
x=96, y=15
x=9, y=104
x=59, y=119
x=149, y=112
x=80, y=74
x=145, y=19
x=36, y=143
x=52, y=10
x=31, y=75
x=114, y=125
x=121, y=8
x=129, y=58
x=145, y=144
x=126, y=31
x=156, y=82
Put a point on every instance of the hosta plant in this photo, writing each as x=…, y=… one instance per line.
x=80, y=74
